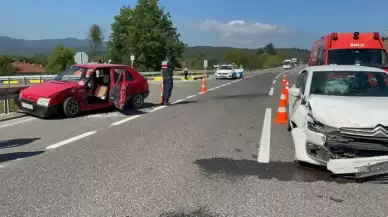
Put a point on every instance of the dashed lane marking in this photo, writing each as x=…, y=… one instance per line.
x=17, y=122
x=73, y=139
x=271, y=91
x=125, y=120
x=188, y=97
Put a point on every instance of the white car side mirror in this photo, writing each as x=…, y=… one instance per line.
x=295, y=92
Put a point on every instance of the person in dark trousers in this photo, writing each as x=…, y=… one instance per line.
x=167, y=73
x=186, y=73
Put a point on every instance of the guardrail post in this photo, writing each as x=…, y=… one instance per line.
x=6, y=105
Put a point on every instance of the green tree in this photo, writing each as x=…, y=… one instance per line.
x=270, y=49
x=146, y=32
x=6, y=67
x=119, y=44
x=96, y=38
x=60, y=58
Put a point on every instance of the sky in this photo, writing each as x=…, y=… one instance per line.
x=243, y=23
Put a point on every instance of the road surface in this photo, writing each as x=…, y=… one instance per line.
x=198, y=157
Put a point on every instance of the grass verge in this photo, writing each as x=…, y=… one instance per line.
x=12, y=106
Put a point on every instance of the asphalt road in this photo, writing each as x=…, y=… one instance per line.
x=198, y=157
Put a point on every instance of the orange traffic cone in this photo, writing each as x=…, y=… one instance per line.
x=286, y=91
x=203, y=87
x=282, y=110
x=161, y=94
x=284, y=81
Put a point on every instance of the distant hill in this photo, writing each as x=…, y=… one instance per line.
x=21, y=47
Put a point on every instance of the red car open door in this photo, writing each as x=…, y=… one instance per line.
x=118, y=87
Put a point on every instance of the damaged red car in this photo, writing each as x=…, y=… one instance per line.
x=85, y=87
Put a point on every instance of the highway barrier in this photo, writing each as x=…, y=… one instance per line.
x=37, y=79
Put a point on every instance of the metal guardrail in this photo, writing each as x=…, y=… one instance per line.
x=7, y=93
x=37, y=79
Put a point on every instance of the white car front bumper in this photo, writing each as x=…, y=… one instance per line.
x=225, y=75
x=305, y=140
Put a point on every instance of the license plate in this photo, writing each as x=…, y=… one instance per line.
x=27, y=106
x=372, y=170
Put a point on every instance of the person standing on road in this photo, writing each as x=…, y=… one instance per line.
x=185, y=72
x=167, y=73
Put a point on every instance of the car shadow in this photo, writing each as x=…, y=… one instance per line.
x=200, y=212
x=18, y=155
x=240, y=96
x=12, y=143
x=282, y=171
x=184, y=102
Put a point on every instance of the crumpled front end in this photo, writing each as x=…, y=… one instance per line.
x=362, y=151
x=356, y=151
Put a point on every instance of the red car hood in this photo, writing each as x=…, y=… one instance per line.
x=48, y=88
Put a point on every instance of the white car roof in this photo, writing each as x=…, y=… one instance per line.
x=344, y=68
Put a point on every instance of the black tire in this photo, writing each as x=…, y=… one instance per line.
x=71, y=107
x=289, y=128
x=137, y=101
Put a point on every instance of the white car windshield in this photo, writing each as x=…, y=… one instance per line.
x=226, y=67
x=350, y=83
x=74, y=73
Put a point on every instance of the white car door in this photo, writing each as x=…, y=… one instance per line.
x=297, y=105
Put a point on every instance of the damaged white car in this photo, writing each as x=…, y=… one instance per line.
x=338, y=118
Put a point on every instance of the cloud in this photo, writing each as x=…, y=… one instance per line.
x=238, y=27
x=244, y=34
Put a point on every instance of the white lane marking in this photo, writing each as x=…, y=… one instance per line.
x=178, y=101
x=265, y=140
x=67, y=141
x=274, y=81
x=270, y=91
x=188, y=97
x=125, y=120
x=17, y=122
x=157, y=108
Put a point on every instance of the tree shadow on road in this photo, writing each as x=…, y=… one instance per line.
x=18, y=155
x=200, y=212
x=11, y=143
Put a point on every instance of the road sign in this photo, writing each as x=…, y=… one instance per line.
x=132, y=57
x=81, y=58
x=205, y=64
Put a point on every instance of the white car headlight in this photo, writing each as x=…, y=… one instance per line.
x=317, y=126
x=43, y=101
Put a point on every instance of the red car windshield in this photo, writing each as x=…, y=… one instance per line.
x=74, y=74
